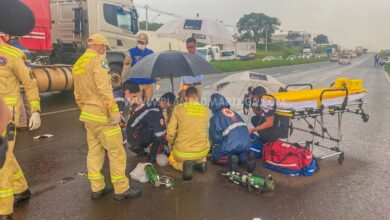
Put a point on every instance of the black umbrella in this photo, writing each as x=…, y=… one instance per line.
x=15, y=18
x=170, y=64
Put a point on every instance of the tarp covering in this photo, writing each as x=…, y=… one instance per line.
x=40, y=37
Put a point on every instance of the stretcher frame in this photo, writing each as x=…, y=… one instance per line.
x=315, y=121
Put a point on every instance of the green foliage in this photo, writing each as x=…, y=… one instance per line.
x=321, y=39
x=277, y=49
x=387, y=68
x=241, y=65
x=151, y=26
x=256, y=26
x=293, y=35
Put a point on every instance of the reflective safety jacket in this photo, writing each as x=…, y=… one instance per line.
x=92, y=88
x=227, y=129
x=187, y=131
x=15, y=70
x=147, y=117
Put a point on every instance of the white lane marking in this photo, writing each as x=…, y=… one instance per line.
x=275, y=75
x=387, y=75
x=58, y=112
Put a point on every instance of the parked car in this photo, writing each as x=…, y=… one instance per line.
x=292, y=57
x=384, y=61
x=307, y=55
x=334, y=58
x=345, y=59
x=269, y=58
x=228, y=55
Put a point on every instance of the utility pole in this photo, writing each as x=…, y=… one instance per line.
x=266, y=37
x=146, y=20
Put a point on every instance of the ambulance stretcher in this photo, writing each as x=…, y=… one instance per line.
x=312, y=105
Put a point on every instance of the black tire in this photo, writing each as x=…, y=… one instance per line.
x=341, y=158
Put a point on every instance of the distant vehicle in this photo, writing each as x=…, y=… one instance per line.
x=334, y=58
x=245, y=50
x=269, y=58
x=321, y=55
x=228, y=55
x=307, y=55
x=359, y=51
x=353, y=55
x=212, y=53
x=292, y=57
x=384, y=61
x=345, y=59
x=365, y=50
x=307, y=51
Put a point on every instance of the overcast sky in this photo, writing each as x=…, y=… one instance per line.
x=349, y=23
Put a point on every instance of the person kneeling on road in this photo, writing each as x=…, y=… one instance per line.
x=167, y=103
x=229, y=136
x=187, y=135
x=263, y=120
x=146, y=126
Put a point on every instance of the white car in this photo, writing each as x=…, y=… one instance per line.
x=292, y=57
x=334, y=58
x=269, y=58
x=345, y=59
x=307, y=56
x=384, y=61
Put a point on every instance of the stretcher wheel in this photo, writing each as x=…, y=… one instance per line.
x=365, y=117
x=341, y=158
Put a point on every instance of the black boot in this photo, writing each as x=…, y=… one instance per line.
x=233, y=163
x=5, y=217
x=188, y=166
x=201, y=167
x=251, y=163
x=130, y=193
x=101, y=193
x=22, y=196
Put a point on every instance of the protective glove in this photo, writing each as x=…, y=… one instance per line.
x=35, y=121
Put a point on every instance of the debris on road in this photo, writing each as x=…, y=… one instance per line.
x=43, y=136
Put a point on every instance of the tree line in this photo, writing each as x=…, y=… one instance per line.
x=255, y=27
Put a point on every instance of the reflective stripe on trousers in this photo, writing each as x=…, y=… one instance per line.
x=95, y=176
x=93, y=117
x=115, y=179
x=113, y=132
x=192, y=155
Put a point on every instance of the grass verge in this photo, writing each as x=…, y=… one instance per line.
x=387, y=69
x=241, y=65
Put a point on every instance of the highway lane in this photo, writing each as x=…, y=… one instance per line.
x=358, y=189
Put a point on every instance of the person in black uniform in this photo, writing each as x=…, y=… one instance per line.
x=146, y=127
x=268, y=125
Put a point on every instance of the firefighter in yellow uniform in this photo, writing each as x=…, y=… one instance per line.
x=100, y=115
x=187, y=135
x=13, y=70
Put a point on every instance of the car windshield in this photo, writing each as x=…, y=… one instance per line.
x=227, y=53
x=120, y=17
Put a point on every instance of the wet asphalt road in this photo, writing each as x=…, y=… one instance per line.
x=358, y=189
